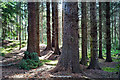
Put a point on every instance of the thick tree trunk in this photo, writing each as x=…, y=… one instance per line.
x=53, y=29
x=37, y=26
x=108, y=38
x=84, y=33
x=49, y=45
x=100, y=30
x=32, y=35
x=93, y=40
x=69, y=59
x=57, y=51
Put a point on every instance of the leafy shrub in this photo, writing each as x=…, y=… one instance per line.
x=2, y=54
x=30, y=61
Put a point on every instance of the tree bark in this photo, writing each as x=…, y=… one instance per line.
x=62, y=23
x=93, y=40
x=108, y=34
x=49, y=45
x=57, y=51
x=37, y=26
x=25, y=23
x=100, y=31
x=42, y=22
x=32, y=29
x=84, y=33
x=119, y=30
x=115, y=30
x=112, y=28
x=20, y=27
x=53, y=29
x=17, y=26
x=69, y=59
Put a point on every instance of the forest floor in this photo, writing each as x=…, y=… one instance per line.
x=10, y=69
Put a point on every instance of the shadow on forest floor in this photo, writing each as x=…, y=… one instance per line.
x=10, y=69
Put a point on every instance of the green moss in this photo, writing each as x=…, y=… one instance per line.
x=109, y=69
x=12, y=45
x=44, y=61
x=52, y=62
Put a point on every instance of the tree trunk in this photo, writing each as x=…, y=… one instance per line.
x=42, y=22
x=115, y=30
x=53, y=28
x=112, y=28
x=4, y=24
x=17, y=26
x=37, y=26
x=25, y=24
x=108, y=38
x=84, y=33
x=100, y=30
x=20, y=27
x=32, y=29
x=57, y=51
x=93, y=40
x=69, y=59
x=49, y=45
x=62, y=23
x=25, y=29
x=119, y=30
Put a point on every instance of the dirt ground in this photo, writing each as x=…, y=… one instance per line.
x=10, y=70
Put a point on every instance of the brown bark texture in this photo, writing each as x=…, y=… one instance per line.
x=32, y=29
x=100, y=30
x=84, y=33
x=93, y=38
x=108, y=34
x=57, y=51
x=69, y=59
x=49, y=44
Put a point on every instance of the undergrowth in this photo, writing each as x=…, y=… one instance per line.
x=30, y=61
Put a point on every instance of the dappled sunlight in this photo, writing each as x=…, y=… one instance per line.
x=60, y=40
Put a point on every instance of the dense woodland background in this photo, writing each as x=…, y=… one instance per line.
x=72, y=37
